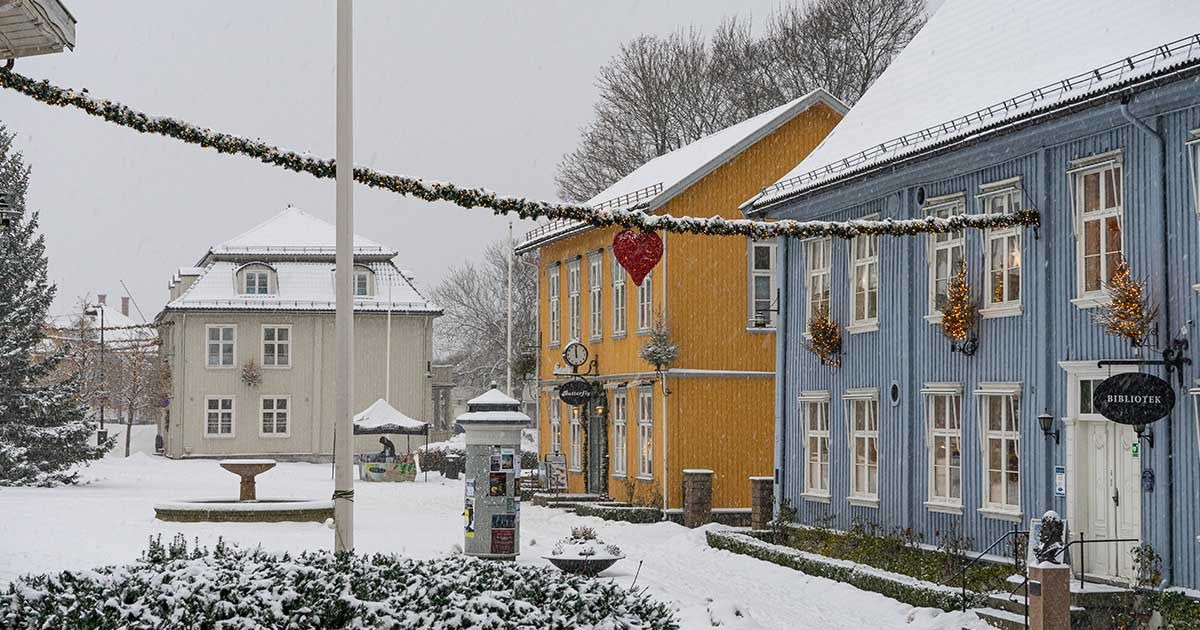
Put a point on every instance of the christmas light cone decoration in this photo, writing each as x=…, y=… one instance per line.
x=826, y=336
x=960, y=314
x=1130, y=314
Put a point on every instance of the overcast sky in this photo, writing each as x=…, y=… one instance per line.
x=484, y=93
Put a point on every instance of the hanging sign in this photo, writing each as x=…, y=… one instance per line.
x=575, y=393
x=1133, y=398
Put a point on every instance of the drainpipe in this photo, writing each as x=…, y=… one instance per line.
x=666, y=434
x=1160, y=160
x=781, y=331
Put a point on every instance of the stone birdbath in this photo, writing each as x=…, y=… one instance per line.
x=247, y=469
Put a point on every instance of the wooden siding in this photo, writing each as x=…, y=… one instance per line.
x=1026, y=348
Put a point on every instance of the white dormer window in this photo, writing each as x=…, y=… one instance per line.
x=257, y=283
x=256, y=279
x=362, y=283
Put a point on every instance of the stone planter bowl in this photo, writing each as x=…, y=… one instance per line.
x=583, y=566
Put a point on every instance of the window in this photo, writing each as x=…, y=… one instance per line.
x=618, y=298
x=1099, y=240
x=218, y=419
x=256, y=282
x=943, y=424
x=576, y=440
x=645, y=314
x=555, y=425
x=620, y=439
x=818, y=265
x=815, y=409
x=1002, y=460
x=645, y=433
x=552, y=288
x=864, y=283
x=945, y=253
x=864, y=445
x=362, y=283
x=274, y=410
x=1003, y=290
x=573, y=299
x=762, y=284
x=595, y=311
x=221, y=344
x=277, y=346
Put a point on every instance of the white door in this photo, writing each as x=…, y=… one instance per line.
x=1107, y=489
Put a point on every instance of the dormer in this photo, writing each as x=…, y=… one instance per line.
x=256, y=278
x=364, y=281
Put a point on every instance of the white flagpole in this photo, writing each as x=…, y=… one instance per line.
x=343, y=376
x=508, y=344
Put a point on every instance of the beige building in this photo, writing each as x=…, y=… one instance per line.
x=249, y=342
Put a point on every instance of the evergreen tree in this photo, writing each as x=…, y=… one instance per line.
x=42, y=429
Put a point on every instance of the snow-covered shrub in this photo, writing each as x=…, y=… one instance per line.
x=235, y=588
x=628, y=514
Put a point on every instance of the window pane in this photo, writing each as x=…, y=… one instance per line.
x=1014, y=284
x=1012, y=489
x=762, y=257
x=995, y=486
x=1091, y=192
x=1085, y=396
x=1112, y=235
x=227, y=334
x=1112, y=187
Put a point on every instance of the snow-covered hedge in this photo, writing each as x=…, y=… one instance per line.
x=234, y=588
x=899, y=587
x=629, y=514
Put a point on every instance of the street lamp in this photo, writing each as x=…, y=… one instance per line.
x=92, y=311
x=1047, y=422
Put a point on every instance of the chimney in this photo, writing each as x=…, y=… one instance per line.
x=125, y=305
x=101, y=297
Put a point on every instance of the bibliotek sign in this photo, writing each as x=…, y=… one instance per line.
x=1133, y=398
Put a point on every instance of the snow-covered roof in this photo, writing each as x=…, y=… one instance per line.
x=381, y=417
x=658, y=181
x=300, y=286
x=494, y=396
x=120, y=330
x=294, y=232
x=977, y=65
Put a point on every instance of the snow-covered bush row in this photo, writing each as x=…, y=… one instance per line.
x=235, y=588
x=629, y=514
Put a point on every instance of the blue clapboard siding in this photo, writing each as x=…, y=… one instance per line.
x=909, y=351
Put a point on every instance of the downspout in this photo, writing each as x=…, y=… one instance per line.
x=1042, y=314
x=1160, y=158
x=781, y=331
x=666, y=479
x=181, y=348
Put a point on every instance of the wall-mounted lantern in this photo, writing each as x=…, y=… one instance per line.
x=1047, y=422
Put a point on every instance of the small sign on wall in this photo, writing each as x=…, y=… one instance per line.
x=1060, y=481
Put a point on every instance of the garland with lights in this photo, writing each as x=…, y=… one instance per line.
x=960, y=314
x=826, y=335
x=1131, y=314
x=631, y=218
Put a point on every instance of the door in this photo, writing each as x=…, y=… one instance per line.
x=597, y=453
x=1107, y=498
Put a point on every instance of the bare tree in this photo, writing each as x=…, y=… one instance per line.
x=137, y=380
x=660, y=93
x=472, y=333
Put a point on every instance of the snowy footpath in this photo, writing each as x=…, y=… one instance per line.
x=108, y=520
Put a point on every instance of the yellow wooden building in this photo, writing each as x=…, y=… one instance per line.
x=714, y=407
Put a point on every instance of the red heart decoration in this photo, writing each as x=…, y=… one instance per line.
x=637, y=252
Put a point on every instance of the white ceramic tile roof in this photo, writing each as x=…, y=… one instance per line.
x=301, y=286
x=974, y=55
x=662, y=178
x=294, y=231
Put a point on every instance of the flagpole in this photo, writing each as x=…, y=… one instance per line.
x=508, y=343
x=343, y=378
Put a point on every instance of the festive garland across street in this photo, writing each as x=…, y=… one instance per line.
x=633, y=218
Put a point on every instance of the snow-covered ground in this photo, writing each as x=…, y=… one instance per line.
x=109, y=519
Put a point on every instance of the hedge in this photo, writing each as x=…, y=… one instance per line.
x=901, y=588
x=620, y=513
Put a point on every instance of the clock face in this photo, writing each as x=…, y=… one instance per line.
x=575, y=354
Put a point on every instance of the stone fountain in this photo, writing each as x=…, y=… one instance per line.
x=248, y=507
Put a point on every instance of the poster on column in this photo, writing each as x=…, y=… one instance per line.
x=503, y=541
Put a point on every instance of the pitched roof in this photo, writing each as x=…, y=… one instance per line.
x=294, y=232
x=658, y=181
x=381, y=417
x=978, y=64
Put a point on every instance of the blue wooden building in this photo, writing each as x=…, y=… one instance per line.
x=1088, y=112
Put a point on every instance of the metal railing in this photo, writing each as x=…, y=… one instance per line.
x=1082, y=542
x=962, y=574
x=627, y=200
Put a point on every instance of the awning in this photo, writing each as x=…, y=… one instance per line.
x=381, y=418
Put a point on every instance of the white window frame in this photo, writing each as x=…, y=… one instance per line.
x=935, y=243
x=868, y=323
x=574, y=318
x=1192, y=147
x=935, y=436
x=620, y=299
x=275, y=413
x=232, y=433
x=770, y=275
x=620, y=455
x=555, y=424
x=818, y=276
x=262, y=280
x=645, y=313
x=817, y=401
x=362, y=278
x=1194, y=393
x=1000, y=198
x=208, y=343
x=1097, y=164
x=1012, y=392
x=866, y=398
x=553, y=287
x=576, y=444
x=645, y=398
x=595, y=307
x=276, y=343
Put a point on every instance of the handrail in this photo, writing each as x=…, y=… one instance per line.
x=962, y=573
x=1082, y=556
